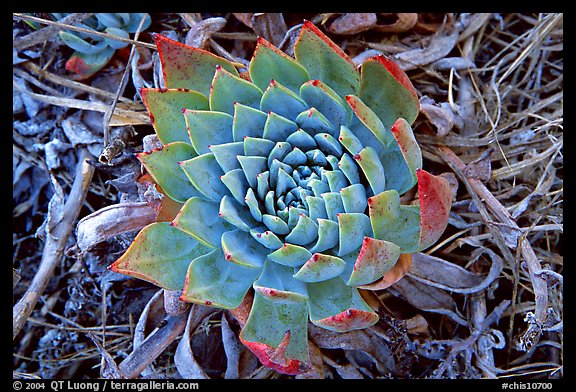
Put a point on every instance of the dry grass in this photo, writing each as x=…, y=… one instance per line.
x=492, y=121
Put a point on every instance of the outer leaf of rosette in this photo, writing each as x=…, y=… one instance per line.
x=337, y=307
x=239, y=247
x=325, y=61
x=213, y=280
x=188, y=67
x=160, y=254
x=376, y=257
x=207, y=128
x=320, y=96
x=393, y=222
x=227, y=90
x=204, y=173
x=277, y=327
x=386, y=89
x=435, y=202
x=199, y=218
x=269, y=63
x=165, y=109
x=162, y=164
x=248, y=122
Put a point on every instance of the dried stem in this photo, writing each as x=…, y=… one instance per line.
x=55, y=243
x=502, y=214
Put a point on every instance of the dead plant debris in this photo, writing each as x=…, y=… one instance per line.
x=485, y=302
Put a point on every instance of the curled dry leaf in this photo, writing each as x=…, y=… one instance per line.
x=427, y=298
x=438, y=46
x=403, y=22
x=480, y=168
x=442, y=274
x=440, y=115
x=232, y=348
x=184, y=359
x=172, y=304
x=111, y=221
x=353, y=23
x=270, y=25
x=202, y=31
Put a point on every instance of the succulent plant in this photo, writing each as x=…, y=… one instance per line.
x=92, y=53
x=290, y=177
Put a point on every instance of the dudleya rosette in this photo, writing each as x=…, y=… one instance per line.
x=290, y=177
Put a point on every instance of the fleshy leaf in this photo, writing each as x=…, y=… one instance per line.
x=376, y=257
x=226, y=155
x=282, y=101
x=266, y=237
x=372, y=168
x=328, y=235
x=239, y=247
x=199, y=218
x=353, y=227
x=320, y=267
x=366, y=125
x=247, y=122
x=305, y=232
x=435, y=202
x=404, y=158
x=269, y=63
x=236, y=182
x=320, y=96
x=214, y=281
x=393, y=222
x=253, y=204
x=188, y=67
x=325, y=61
x=236, y=214
x=350, y=169
x=314, y=121
x=386, y=89
x=208, y=128
x=354, y=198
x=204, y=173
x=290, y=255
x=165, y=109
x=162, y=164
x=278, y=128
x=160, y=254
x=337, y=307
x=277, y=328
x=228, y=89
x=252, y=166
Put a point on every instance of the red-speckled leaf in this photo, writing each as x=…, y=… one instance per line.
x=320, y=267
x=435, y=202
x=188, y=67
x=227, y=90
x=160, y=254
x=408, y=146
x=394, y=275
x=162, y=164
x=337, y=307
x=276, y=330
x=165, y=109
x=376, y=257
x=269, y=63
x=386, y=89
x=326, y=61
